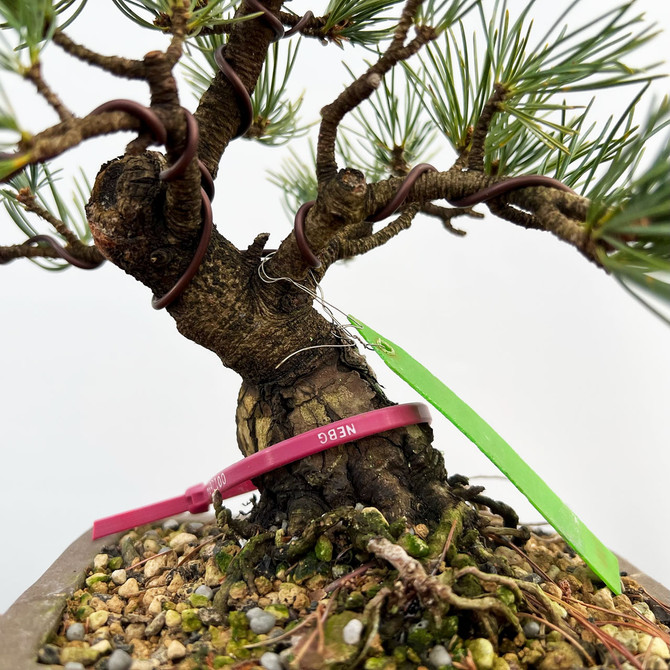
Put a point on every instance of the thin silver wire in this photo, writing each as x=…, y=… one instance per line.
x=340, y=329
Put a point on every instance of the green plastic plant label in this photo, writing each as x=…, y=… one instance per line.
x=600, y=559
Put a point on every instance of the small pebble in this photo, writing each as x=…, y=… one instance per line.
x=119, y=577
x=170, y=524
x=193, y=526
x=156, y=626
x=179, y=541
x=100, y=562
x=176, y=650
x=271, y=661
x=97, y=619
x=532, y=577
x=75, y=631
x=531, y=629
x=172, y=619
x=74, y=665
x=254, y=612
x=204, y=590
x=351, y=633
x=210, y=617
x=129, y=588
x=262, y=623
x=439, y=656
x=119, y=660
x=49, y=654
x=143, y=664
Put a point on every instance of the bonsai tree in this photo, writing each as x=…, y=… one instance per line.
x=510, y=104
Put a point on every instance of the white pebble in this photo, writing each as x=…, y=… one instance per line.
x=74, y=665
x=271, y=661
x=100, y=562
x=176, y=650
x=204, y=590
x=351, y=633
x=119, y=577
x=129, y=588
x=262, y=623
x=181, y=540
x=119, y=660
x=75, y=631
x=439, y=656
x=254, y=612
x=531, y=629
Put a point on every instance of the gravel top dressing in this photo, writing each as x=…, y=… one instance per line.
x=352, y=592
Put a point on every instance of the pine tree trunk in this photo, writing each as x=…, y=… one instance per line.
x=253, y=326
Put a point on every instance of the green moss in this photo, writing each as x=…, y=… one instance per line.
x=397, y=528
x=448, y=628
x=462, y=561
x=223, y=560
x=336, y=652
x=419, y=636
x=239, y=625
x=305, y=568
x=468, y=586
x=82, y=613
x=190, y=621
x=379, y=663
x=280, y=611
x=222, y=661
x=400, y=654
x=355, y=601
x=482, y=653
x=115, y=563
x=507, y=596
x=414, y=545
x=237, y=651
x=197, y=600
x=323, y=549
x=96, y=578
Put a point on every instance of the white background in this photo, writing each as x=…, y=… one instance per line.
x=105, y=407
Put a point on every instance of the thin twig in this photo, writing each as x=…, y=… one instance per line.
x=350, y=248
x=29, y=202
x=445, y=549
x=34, y=75
x=481, y=131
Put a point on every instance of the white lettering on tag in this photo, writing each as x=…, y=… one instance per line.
x=336, y=433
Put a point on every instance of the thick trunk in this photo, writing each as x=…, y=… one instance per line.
x=253, y=325
x=397, y=472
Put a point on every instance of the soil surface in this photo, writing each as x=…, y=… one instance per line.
x=352, y=591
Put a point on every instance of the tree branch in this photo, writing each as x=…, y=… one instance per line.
x=350, y=248
x=363, y=87
x=540, y=207
x=446, y=214
x=121, y=67
x=27, y=199
x=218, y=112
x=481, y=131
x=34, y=74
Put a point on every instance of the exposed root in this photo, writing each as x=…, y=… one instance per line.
x=433, y=592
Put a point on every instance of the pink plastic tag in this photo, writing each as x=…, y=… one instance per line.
x=236, y=478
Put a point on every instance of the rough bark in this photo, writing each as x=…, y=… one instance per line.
x=253, y=326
